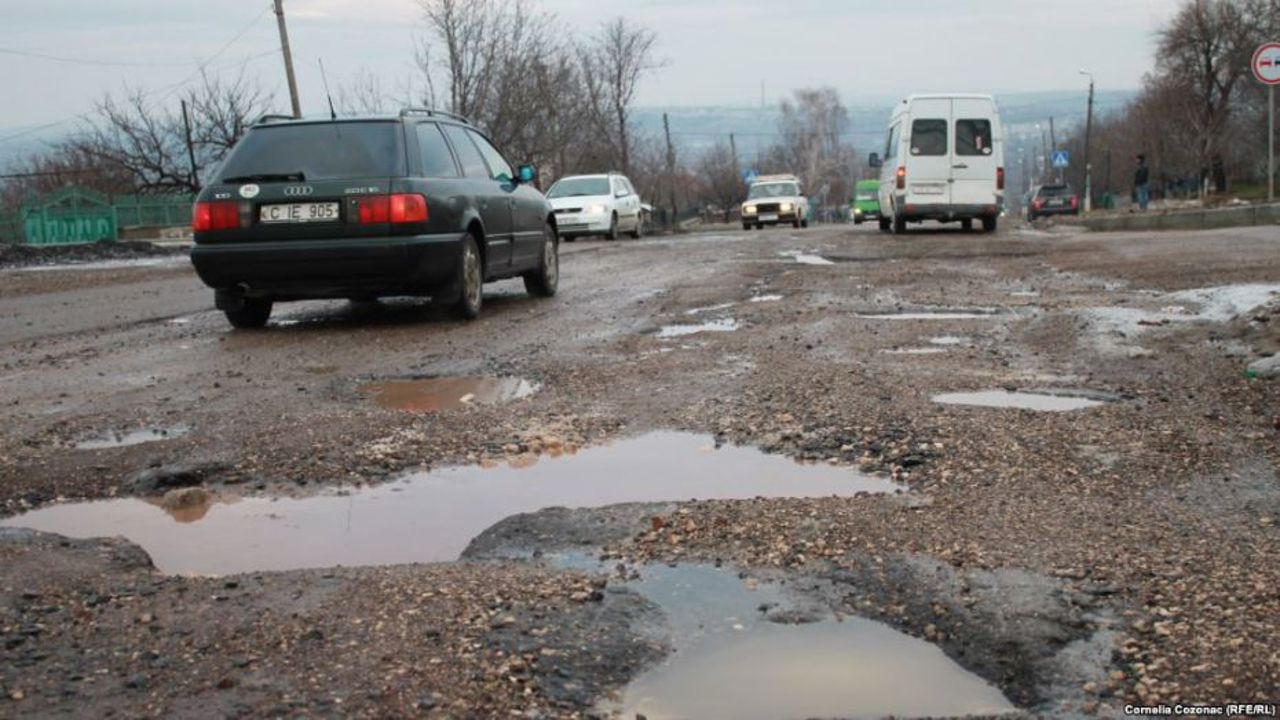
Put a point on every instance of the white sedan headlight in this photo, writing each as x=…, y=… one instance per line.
x=595, y=209
x=748, y=209
x=785, y=207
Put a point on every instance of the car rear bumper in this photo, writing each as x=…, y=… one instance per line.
x=1054, y=211
x=294, y=269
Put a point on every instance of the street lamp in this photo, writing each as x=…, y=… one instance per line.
x=1088, y=132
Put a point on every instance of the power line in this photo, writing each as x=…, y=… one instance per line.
x=86, y=61
x=200, y=68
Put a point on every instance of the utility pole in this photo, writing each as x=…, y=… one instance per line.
x=191, y=149
x=1271, y=143
x=671, y=170
x=1088, y=132
x=1053, y=147
x=288, y=59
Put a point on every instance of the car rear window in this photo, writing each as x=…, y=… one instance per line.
x=320, y=151
x=1055, y=191
x=929, y=137
x=973, y=137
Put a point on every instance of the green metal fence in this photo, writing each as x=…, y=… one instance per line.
x=77, y=215
x=152, y=210
x=69, y=217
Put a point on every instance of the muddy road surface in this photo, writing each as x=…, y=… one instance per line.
x=1025, y=472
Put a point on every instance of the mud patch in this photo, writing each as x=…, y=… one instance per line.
x=1041, y=401
x=431, y=516
x=744, y=650
x=126, y=438
x=425, y=395
x=721, y=325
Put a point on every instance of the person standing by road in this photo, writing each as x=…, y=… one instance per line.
x=1141, y=183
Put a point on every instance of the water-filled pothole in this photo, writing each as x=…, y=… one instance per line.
x=721, y=325
x=765, y=298
x=431, y=516
x=935, y=314
x=741, y=653
x=447, y=393
x=1046, y=401
x=125, y=438
x=806, y=258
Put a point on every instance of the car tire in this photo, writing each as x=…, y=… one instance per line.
x=252, y=315
x=795, y=224
x=899, y=225
x=804, y=223
x=613, y=228
x=470, y=280
x=1031, y=217
x=639, y=231
x=746, y=226
x=543, y=281
x=857, y=221
x=989, y=224
x=966, y=225
x=884, y=224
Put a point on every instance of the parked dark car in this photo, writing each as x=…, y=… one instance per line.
x=417, y=204
x=1048, y=200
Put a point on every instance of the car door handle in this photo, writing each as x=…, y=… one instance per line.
x=960, y=167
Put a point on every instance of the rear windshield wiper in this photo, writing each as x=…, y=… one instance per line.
x=267, y=177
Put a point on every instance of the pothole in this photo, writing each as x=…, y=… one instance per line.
x=935, y=313
x=915, y=351
x=431, y=516
x=709, y=309
x=806, y=258
x=1043, y=400
x=125, y=438
x=743, y=650
x=447, y=393
x=720, y=325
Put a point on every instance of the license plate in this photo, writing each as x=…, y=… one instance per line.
x=927, y=189
x=768, y=217
x=299, y=213
x=1055, y=203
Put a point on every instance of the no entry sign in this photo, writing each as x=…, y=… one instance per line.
x=1266, y=63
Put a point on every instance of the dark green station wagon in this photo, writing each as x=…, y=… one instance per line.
x=418, y=204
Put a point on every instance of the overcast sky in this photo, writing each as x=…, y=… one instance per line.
x=717, y=51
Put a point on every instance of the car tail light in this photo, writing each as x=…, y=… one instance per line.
x=222, y=215
x=902, y=178
x=398, y=208
x=1038, y=203
x=408, y=208
x=1075, y=202
x=999, y=178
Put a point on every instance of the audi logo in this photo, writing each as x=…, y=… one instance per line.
x=298, y=190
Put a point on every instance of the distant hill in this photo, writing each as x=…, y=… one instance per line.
x=693, y=129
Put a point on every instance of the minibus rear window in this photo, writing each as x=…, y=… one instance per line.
x=973, y=137
x=929, y=137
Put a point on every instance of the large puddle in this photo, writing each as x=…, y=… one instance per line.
x=447, y=393
x=732, y=661
x=934, y=314
x=1046, y=402
x=432, y=516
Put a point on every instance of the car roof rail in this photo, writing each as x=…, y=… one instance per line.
x=270, y=118
x=405, y=112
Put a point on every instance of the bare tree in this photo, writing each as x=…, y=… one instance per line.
x=613, y=64
x=814, y=126
x=363, y=95
x=148, y=144
x=718, y=181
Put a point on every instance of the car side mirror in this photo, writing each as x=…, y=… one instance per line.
x=620, y=194
x=526, y=174
x=874, y=161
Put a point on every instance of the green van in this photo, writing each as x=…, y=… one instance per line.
x=866, y=201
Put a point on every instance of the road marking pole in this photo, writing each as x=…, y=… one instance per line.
x=1271, y=143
